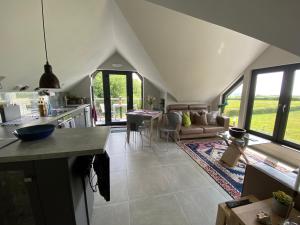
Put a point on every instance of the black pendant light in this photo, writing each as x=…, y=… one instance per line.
x=48, y=80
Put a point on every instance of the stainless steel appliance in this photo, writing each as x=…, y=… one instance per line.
x=87, y=116
x=66, y=122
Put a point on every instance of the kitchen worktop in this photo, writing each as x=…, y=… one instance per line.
x=49, y=119
x=62, y=143
x=6, y=131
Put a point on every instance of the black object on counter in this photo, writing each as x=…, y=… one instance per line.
x=101, y=167
x=34, y=132
x=237, y=203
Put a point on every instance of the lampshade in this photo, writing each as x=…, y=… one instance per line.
x=48, y=80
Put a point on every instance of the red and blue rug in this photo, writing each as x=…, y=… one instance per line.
x=207, y=153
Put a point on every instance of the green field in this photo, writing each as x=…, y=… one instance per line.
x=264, y=114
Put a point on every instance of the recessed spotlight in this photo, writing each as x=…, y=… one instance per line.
x=117, y=65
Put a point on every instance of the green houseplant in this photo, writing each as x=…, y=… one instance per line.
x=282, y=203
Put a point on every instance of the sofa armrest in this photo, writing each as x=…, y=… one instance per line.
x=223, y=121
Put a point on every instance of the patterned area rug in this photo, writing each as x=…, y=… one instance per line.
x=207, y=154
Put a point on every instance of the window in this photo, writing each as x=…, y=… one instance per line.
x=232, y=97
x=274, y=104
x=26, y=100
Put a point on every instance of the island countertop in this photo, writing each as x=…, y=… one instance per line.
x=62, y=143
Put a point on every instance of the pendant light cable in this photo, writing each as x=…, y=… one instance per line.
x=44, y=30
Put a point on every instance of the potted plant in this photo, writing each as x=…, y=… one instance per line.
x=150, y=101
x=222, y=107
x=282, y=203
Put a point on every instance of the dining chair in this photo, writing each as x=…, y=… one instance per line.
x=171, y=125
x=136, y=125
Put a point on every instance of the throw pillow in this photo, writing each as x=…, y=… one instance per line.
x=193, y=117
x=201, y=119
x=186, y=120
x=212, y=117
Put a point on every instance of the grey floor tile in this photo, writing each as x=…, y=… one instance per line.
x=163, y=210
x=200, y=206
x=117, y=214
x=171, y=157
x=157, y=185
x=146, y=183
x=142, y=160
x=118, y=189
x=185, y=176
x=118, y=163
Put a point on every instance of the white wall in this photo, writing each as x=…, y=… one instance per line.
x=116, y=58
x=82, y=89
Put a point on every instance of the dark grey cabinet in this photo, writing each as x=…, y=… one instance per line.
x=44, y=192
x=19, y=201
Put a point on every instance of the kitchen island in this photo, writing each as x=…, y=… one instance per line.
x=48, y=181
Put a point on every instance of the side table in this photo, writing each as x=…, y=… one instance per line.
x=224, y=215
x=246, y=215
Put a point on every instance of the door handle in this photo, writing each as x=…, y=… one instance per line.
x=27, y=180
x=283, y=107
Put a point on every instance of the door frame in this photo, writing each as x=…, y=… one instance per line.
x=129, y=89
x=284, y=101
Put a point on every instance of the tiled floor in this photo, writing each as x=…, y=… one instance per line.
x=158, y=185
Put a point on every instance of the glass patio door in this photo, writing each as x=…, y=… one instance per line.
x=274, y=104
x=116, y=92
x=118, y=98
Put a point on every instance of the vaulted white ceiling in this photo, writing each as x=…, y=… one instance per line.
x=81, y=35
x=274, y=22
x=192, y=59
x=196, y=58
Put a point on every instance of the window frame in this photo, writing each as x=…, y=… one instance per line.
x=232, y=88
x=106, y=89
x=284, y=99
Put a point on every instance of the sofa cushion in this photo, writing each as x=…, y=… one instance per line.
x=193, y=117
x=201, y=119
x=212, y=129
x=186, y=119
x=193, y=129
x=198, y=107
x=177, y=107
x=212, y=117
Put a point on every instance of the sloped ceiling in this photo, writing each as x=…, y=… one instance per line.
x=79, y=38
x=274, y=22
x=196, y=59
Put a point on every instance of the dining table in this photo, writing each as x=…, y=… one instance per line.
x=150, y=115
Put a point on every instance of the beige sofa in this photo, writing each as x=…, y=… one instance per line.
x=198, y=131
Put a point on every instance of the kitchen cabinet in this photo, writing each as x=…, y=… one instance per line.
x=45, y=182
x=44, y=192
x=19, y=201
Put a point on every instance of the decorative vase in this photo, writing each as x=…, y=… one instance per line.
x=281, y=209
x=151, y=106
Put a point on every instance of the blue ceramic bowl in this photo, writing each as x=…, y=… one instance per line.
x=34, y=132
